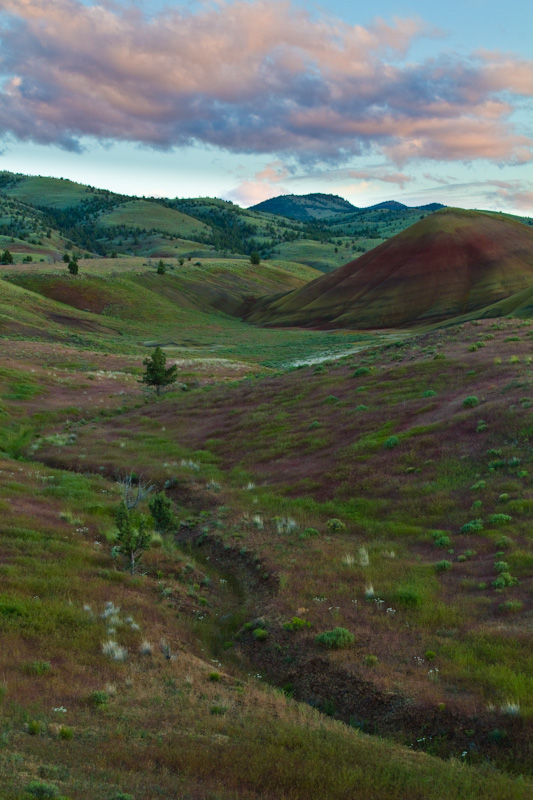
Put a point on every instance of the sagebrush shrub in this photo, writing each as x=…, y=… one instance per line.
x=335, y=639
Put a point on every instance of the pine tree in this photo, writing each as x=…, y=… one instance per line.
x=161, y=510
x=157, y=373
x=132, y=540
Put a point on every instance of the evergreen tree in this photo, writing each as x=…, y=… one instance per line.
x=132, y=539
x=73, y=267
x=161, y=269
x=157, y=373
x=255, y=258
x=161, y=510
x=7, y=258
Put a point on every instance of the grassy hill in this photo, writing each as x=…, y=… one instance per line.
x=451, y=263
x=307, y=206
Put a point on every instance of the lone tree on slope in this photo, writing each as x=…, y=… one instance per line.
x=157, y=373
x=132, y=539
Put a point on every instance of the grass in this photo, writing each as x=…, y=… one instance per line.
x=258, y=468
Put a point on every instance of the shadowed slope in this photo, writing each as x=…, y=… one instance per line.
x=451, y=263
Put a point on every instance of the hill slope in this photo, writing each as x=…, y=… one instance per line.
x=306, y=206
x=448, y=264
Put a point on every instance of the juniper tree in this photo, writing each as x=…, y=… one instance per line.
x=132, y=539
x=157, y=373
x=161, y=510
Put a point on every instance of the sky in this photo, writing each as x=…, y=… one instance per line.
x=248, y=99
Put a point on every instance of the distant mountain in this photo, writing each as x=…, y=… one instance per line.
x=309, y=207
x=450, y=263
x=306, y=207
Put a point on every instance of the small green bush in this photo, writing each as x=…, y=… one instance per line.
x=66, y=733
x=500, y=519
x=504, y=543
x=362, y=408
x=511, y=606
x=296, y=624
x=503, y=581
x=335, y=639
x=38, y=668
x=470, y=402
x=391, y=442
x=335, y=525
x=35, y=727
x=429, y=393
x=361, y=371
x=478, y=486
x=441, y=541
x=430, y=655
x=408, y=597
x=42, y=791
x=214, y=676
x=260, y=634
x=99, y=698
x=481, y=426
x=474, y=526
x=501, y=566
x=308, y=533
x=371, y=660
x=443, y=566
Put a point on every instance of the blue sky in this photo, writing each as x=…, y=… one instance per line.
x=246, y=99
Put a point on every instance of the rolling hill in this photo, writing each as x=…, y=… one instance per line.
x=451, y=263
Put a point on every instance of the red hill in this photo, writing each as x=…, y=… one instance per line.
x=451, y=263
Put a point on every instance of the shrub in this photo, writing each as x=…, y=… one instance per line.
x=474, y=526
x=470, y=402
x=511, y=606
x=441, y=541
x=371, y=660
x=391, y=442
x=362, y=408
x=308, y=532
x=481, y=426
x=214, y=676
x=335, y=639
x=35, y=728
x=99, y=698
x=66, y=733
x=478, y=486
x=504, y=542
x=361, y=371
x=430, y=655
x=335, y=525
x=429, y=393
x=260, y=634
x=38, y=668
x=504, y=580
x=501, y=566
x=408, y=597
x=500, y=519
x=42, y=791
x=113, y=650
x=443, y=566
x=296, y=624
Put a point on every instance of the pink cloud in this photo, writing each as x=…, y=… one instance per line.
x=252, y=77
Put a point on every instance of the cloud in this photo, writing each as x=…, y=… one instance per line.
x=252, y=77
x=265, y=184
